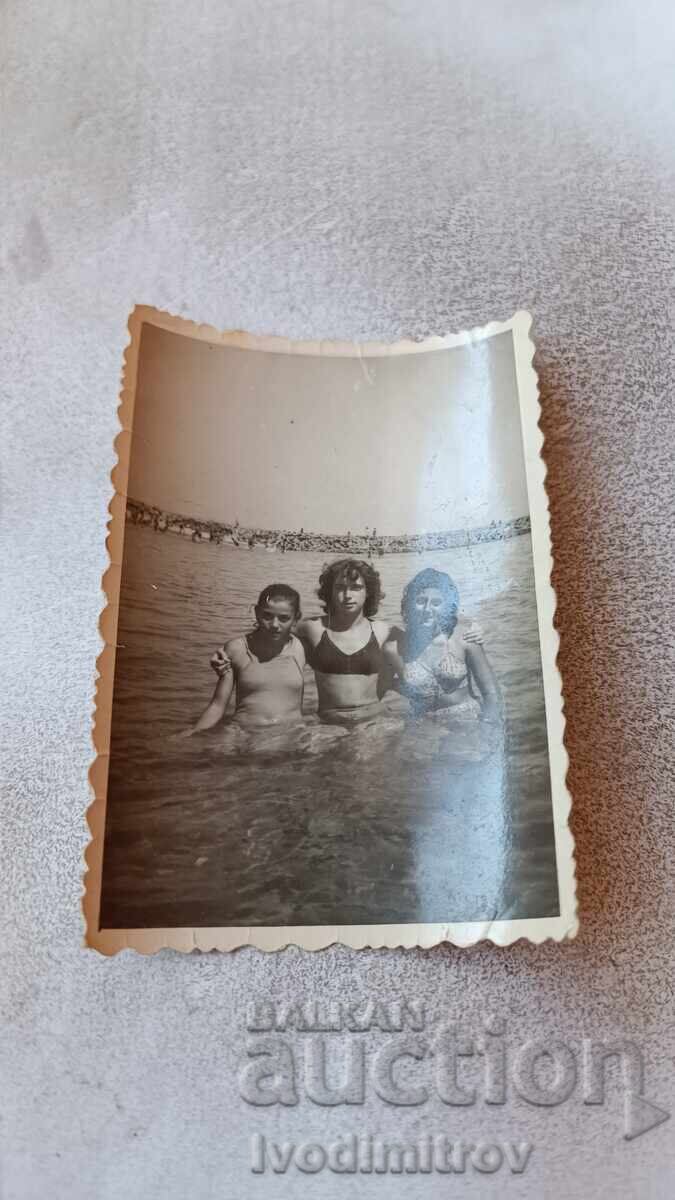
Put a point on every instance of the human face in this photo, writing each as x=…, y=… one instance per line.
x=429, y=609
x=349, y=596
x=275, y=619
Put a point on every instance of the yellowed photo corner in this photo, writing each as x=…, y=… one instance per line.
x=267, y=938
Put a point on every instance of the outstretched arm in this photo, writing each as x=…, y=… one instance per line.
x=478, y=663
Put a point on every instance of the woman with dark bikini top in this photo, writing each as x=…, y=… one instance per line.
x=344, y=647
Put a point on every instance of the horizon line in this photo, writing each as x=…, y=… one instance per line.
x=235, y=527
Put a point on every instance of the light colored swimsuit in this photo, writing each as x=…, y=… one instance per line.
x=279, y=681
x=420, y=680
x=420, y=683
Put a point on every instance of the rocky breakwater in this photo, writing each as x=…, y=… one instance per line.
x=362, y=545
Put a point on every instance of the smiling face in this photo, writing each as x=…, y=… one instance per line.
x=430, y=610
x=349, y=595
x=275, y=619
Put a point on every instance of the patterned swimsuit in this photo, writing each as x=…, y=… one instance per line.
x=420, y=683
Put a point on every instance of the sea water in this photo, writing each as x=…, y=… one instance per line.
x=405, y=822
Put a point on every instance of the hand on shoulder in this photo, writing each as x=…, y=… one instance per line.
x=228, y=656
x=470, y=631
x=220, y=662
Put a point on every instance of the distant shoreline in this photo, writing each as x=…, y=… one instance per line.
x=366, y=544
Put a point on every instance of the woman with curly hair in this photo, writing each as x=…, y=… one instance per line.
x=344, y=646
x=439, y=655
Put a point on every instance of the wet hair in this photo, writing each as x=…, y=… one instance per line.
x=350, y=569
x=430, y=578
x=280, y=591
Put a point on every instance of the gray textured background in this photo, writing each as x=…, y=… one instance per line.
x=352, y=170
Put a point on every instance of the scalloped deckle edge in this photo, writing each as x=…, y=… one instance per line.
x=461, y=934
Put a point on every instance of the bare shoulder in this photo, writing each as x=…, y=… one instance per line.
x=382, y=631
x=461, y=641
x=235, y=648
x=298, y=650
x=310, y=629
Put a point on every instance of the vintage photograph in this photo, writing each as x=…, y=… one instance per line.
x=329, y=708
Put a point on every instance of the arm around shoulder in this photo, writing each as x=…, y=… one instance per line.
x=309, y=630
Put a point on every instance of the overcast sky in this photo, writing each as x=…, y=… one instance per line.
x=405, y=444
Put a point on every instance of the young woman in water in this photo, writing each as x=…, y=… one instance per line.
x=265, y=668
x=437, y=657
x=344, y=647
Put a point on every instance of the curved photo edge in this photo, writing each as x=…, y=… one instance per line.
x=314, y=937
